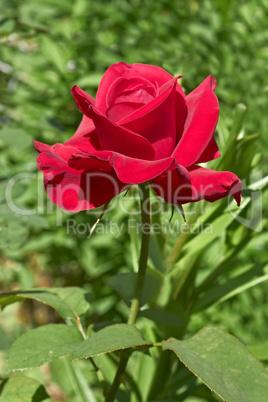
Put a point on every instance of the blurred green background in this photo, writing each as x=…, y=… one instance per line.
x=46, y=47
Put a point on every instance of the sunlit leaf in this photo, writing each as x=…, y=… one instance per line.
x=69, y=302
x=42, y=345
x=125, y=284
x=109, y=339
x=224, y=364
x=22, y=389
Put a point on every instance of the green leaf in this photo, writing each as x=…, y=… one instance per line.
x=42, y=345
x=75, y=297
x=162, y=317
x=224, y=364
x=203, y=239
x=239, y=116
x=220, y=293
x=71, y=379
x=155, y=255
x=15, y=138
x=125, y=284
x=55, y=53
x=69, y=302
x=22, y=389
x=135, y=247
x=90, y=80
x=223, y=131
x=260, y=351
x=109, y=339
x=7, y=27
x=144, y=373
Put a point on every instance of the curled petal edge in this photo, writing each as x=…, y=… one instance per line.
x=128, y=170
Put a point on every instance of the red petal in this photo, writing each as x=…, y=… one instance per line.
x=121, y=110
x=123, y=87
x=180, y=110
x=211, y=152
x=211, y=185
x=208, y=82
x=203, y=183
x=85, y=137
x=82, y=99
x=156, y=121
x=151, y=73
x=119, y=139
x=173, y=184
x=75, y=190
x=200, y=124
x=64, y=152
x=40, y=147
x=128, y=170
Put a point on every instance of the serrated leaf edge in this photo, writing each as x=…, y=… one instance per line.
x=194, y=336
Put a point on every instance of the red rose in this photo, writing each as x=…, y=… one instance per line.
x=140, y=128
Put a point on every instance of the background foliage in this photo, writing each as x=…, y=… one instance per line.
x=49, y=45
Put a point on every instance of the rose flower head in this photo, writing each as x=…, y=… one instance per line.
x=140, y=128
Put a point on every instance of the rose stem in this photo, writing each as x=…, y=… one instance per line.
x=135, y=304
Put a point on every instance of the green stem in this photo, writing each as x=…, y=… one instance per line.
x=119, y=377
x=135, y=304
x=145, y=239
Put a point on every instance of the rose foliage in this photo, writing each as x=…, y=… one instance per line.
x=140, y=128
